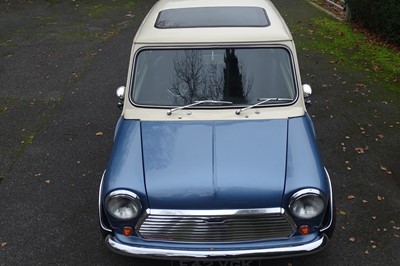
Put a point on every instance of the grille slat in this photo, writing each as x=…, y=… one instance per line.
x=262, y=225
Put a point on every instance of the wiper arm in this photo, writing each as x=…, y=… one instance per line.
x=262, y=101
x=170, y=111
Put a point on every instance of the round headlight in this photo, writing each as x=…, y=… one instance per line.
x=307, y=204
x=123, y=205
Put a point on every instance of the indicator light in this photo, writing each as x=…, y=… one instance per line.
x=127, y=231
x=304, y=230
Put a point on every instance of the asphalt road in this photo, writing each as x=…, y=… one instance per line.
x=60, y=63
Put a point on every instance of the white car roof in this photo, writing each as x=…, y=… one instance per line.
x=276, y=31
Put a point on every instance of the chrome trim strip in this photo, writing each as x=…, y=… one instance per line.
x=100, y=209
x=304, y=192
x=123, y=194
x=331, y=202
x=216, y=212
x=171, y=220
x=160, y=253
x=212, y=46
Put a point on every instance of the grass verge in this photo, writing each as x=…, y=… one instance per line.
x=352, y=49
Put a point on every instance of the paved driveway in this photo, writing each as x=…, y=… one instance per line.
x=60, y=62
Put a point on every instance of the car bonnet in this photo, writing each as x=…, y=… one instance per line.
x=214, y=165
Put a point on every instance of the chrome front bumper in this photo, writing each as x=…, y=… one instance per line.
x=157, y=253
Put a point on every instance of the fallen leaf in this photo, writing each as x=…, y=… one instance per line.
x=381, y=136
x=352, y=239
x=351, y=197
x=373, y=246
x=3, y=244
x=359, y=150
x=366, y=252
x=365, y=201
x=48, y=181
x=376, y=68
x=343, y=213
x=396, y=227
x=374, y=218
x=383, y=168
x=361, y=85
x=398, y=236
x=379, y=197
x=99, y=133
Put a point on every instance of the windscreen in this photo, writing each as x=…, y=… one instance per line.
x=176, y=77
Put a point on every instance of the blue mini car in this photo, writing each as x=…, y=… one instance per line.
x=215, y=155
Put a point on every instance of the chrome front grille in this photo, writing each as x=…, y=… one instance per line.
x=215, y=225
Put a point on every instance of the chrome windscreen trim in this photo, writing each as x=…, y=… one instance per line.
x=212, y=46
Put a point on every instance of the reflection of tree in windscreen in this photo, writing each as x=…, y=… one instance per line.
x=195, y=79
x=233, y=86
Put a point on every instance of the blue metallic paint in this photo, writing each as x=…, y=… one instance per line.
x=214, y=165
x=304, y=165
x=125, y=167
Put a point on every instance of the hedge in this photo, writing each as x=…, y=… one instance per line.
x=381, y=16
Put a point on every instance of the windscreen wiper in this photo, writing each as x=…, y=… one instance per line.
x=262, y=101
x=170, y=111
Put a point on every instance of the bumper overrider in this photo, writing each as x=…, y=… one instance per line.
x=314, y=246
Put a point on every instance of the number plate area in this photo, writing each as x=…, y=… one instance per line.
x=217, y=263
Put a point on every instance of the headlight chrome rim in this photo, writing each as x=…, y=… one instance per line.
x=131, y=199
x=302, y=195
